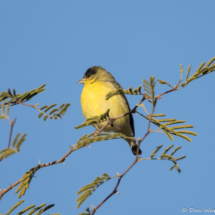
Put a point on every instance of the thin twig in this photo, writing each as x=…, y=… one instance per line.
x=169, y=91
x=33, y=106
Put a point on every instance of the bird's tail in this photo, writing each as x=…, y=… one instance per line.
x=133, y=145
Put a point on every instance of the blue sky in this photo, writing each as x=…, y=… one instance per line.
x=54, y=43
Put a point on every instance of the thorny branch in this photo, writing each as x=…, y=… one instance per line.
x=110, y=121
x=39, y=166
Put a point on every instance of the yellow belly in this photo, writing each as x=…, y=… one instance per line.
x=93, y=103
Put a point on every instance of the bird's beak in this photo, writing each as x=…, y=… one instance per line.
x=82, y=81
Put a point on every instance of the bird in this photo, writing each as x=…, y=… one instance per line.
x=97, y=84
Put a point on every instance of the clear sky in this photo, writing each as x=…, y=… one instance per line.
x=54, y=43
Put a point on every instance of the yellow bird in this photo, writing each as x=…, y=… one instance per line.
x=97, y=84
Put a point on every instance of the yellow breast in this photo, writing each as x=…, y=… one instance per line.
x=93, y=103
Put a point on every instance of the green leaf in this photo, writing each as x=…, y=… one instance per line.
x=83, y=197
x=43, y=107
x=181, y=126
x=90, y=188
x=16, y=138
x=25, y=181
x=63, y=110
x=155, y=151
x=174, y=122
x=48, y=108
x=84, y=213
x=172, y=168
x=95, y=120
x=114, y=93
x=87, y=141
x=24, y=96
x=166, y=120
x=14, y=207
x=5, y=94
x=40, y=114
x=7, y=152
x=7, y=109
x=200, y=66
x=2, y=116
x=36, y=209
x=188, y=72
x=180, y=158
x=52, y=111
x=167, y=149
x=44, y=209
x=183, y=136
x=119, y=91
x=175, y=150
x=163, y=82
x=169, y=157
x=158, y=115
x=45, y=117
x=210, y=62
x=21, y=140
x=26, y=209
x=187, y=132
x=40, y=87
x=168, y=134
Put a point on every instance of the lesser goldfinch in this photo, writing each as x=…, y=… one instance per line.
x=97, y=84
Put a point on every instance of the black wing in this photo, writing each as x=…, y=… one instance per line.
x=131, y=120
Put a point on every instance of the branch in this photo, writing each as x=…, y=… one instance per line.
x=39, y=166
x=135, y=161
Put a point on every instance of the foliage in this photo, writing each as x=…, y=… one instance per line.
x=42, y=209
x=202, y=70
x=95, y=120
x=165, y=156
x=56, y=113
x=85, y=140
x=25, y=182
x=149, y=88
x=169, y=131
x=87, y=190
x=14, y=98
x=136, y=91
x=16, y=146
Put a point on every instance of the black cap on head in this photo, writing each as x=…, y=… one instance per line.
x=91, y=71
